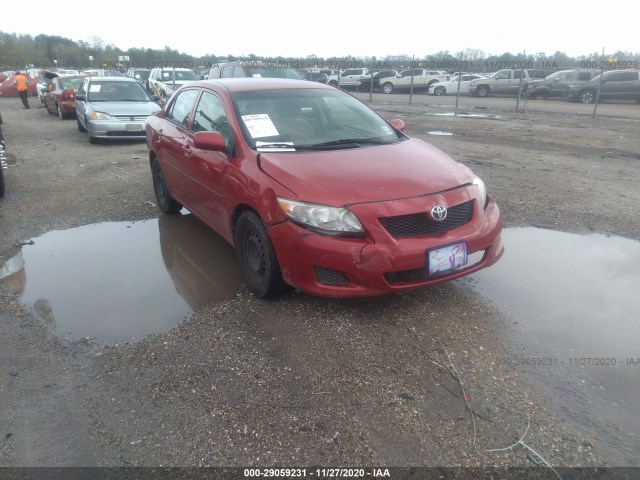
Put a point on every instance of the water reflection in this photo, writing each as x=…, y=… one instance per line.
x=115, y=281
x=576, y=300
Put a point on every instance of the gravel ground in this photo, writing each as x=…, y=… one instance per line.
x=302, y=380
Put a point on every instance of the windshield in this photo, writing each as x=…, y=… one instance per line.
x=303, y=119
x=274, y=73
x=179, y=75
x=71, y=83
x=117, y=92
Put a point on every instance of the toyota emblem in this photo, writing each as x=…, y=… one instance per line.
x=439, y=212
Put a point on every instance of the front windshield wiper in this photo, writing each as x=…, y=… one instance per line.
x=344, y=142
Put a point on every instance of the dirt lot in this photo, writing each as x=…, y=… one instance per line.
x=305, y=381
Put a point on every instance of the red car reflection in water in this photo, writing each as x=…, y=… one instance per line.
x=316, y=190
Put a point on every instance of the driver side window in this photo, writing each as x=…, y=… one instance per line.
x=211, y=117
x=180, y=111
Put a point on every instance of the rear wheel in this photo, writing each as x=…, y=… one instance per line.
x=166, y=203
x=256, y=256
x=387, y=87
x=587, y=96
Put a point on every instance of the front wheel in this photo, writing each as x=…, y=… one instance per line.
x=587, y=96
x=256, y=256
x=387, y=87
x=80, y=127
x=166, y=203
x=482, y=91
x=440, y=90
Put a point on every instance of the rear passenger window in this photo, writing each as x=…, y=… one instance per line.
x=227, y=72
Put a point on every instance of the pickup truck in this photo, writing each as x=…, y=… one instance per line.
x=349, y=78
x=422, y=80
x=505, y=81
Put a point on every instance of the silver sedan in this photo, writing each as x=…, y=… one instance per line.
x=113, y=108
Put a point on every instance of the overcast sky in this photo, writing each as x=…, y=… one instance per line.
x=330, y=28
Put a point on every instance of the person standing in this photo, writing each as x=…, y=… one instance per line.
x=21, y=82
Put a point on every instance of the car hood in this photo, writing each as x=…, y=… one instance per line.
x=369, y=174
x=125, y=108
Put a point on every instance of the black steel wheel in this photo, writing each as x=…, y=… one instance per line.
x=256, y=256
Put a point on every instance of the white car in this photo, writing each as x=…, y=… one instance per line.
x=164, y=81
x=451, y=87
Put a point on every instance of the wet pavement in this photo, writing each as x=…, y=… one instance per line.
x=575, y=300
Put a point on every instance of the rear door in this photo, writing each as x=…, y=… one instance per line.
x=171, y=140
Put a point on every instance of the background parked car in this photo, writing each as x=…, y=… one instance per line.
x=113, y=108
x=60, y=95
x=613, y=85
x=251, y=69
x=349, y=78
x=506, y=81
x=450, y=87
x=365, y=83
x=314, y=76
x=419, y=79
x=141, y=75
x=164, y=81
x=557, y=84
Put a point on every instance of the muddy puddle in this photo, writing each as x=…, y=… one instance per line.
x=121, y=281
x=575, y=303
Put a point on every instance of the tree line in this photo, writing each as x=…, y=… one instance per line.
x=49, y=51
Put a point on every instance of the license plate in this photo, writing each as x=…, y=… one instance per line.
x=134, y=127
x=446, y=259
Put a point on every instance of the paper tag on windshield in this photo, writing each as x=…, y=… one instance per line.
x=95, y=87
x=260, y=125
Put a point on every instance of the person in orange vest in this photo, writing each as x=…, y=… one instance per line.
x=21, y=82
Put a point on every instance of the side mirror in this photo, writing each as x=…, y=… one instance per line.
x=397, y=124
x=82, y=98
x=209, y=141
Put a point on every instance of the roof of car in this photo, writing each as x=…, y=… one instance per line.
x=115, y=79
x=251, y=84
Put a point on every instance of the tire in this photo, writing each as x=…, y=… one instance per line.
x=440, y=90
x=1, y=183
x=333, y=83
x=61, y=115
x=258, y=263
x=387, y=88
x=165, y=201
x=587, y=96
x=482, y=91
x=80, y=127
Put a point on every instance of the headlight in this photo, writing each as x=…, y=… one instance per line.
x=477, y=181
x=100, y=116
x=322, y=218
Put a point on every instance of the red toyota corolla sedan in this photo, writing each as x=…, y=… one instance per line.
x=60, y=98
x=316, y=190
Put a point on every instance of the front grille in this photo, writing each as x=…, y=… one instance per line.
x=330, y=277
x=132, y=118
x=421, y=224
